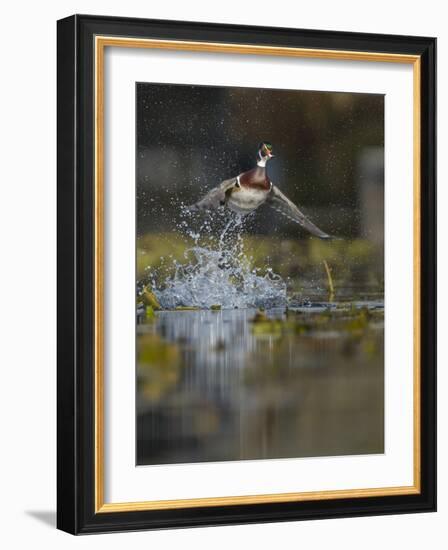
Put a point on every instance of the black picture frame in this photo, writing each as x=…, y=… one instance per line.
x=76, y=271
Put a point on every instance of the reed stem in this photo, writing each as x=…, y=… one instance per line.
x=330, y=282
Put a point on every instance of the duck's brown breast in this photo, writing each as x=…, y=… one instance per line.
x=256, y=178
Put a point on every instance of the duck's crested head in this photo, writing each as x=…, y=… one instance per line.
x=265, y=150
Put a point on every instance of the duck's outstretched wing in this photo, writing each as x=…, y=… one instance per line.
x=215, y=197
x=280, y=202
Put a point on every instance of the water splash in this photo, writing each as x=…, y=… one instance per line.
x=217, y=270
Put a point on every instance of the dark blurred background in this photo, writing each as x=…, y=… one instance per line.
x=329, y=149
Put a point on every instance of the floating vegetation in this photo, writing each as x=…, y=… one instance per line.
x=150, y=313
x=148, y=297
x=350, y=320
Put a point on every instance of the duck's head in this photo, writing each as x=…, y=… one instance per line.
x=265, y=151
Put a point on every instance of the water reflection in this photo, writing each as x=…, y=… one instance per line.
x=211, y=387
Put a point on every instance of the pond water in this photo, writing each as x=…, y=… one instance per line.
x=240, y=384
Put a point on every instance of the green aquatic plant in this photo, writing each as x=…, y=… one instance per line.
x=350, y=320
x=330, y=282
x=150, y=315
x=148, y=297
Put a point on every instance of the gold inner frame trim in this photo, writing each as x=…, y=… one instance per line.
x=101, y=42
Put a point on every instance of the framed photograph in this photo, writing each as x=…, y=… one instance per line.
x=246, y=274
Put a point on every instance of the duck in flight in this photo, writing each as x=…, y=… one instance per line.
x=249, y=190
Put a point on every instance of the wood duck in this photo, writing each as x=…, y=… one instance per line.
x=247, y=191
